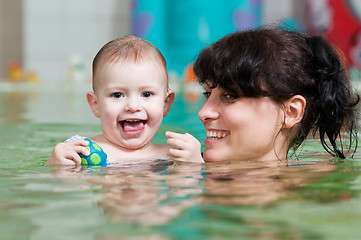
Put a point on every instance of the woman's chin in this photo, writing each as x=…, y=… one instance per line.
x=211, y=156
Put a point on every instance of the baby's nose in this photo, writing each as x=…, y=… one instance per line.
x=132, y=105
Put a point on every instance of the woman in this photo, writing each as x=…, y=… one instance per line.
x=265, y=90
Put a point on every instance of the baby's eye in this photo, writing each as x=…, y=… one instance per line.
x=147, y=94
x=117, y=95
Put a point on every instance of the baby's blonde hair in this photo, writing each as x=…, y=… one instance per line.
x=128, y=49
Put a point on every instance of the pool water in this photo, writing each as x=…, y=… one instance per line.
x=313, y=198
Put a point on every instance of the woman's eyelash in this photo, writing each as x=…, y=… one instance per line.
x=206, y=94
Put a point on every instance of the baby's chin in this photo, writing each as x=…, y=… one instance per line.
x=134, y=144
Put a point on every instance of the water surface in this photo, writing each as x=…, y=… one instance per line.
x=312, y=198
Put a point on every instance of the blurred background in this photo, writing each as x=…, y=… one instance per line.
x=50, y=44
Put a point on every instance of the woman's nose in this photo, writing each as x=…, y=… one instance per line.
x=209, y=110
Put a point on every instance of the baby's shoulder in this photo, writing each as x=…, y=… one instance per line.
x=160, y=151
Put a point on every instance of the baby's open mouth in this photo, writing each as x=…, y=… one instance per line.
x=133, y=125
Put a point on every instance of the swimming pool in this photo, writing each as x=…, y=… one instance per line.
x=312, y=199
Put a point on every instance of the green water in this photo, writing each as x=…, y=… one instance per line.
x=317, y=200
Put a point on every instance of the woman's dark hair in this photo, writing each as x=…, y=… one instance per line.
x=275, y=63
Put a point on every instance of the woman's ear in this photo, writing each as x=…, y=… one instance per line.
x=93, y=103
x=168, y=102
x=294, y=110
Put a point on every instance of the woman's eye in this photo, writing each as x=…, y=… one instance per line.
x=147, y=94
x=206, y=94
x=230, y=97
x=117, y=95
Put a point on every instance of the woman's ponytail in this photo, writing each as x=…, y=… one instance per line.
x=334, y=104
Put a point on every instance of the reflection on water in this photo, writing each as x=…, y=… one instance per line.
x=187, y=200
x=258, y=184
x=154, y=193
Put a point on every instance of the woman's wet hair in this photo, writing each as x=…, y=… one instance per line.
x=279, y=64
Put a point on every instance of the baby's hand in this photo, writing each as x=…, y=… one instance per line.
x=184, y=147
x=67, y=153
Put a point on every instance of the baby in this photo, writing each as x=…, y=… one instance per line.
x=131, y=97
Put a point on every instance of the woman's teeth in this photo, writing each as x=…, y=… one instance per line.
x=214, y=134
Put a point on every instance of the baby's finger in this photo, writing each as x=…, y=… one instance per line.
x=80, y=142
x=185, y=137
x=170, y=134
x=73, y=156
x=68, y=162
x=175, y=153
x=176, y=143
x=82, y=150
x=179, y=155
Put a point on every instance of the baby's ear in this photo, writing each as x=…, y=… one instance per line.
x=168, y=102
x=93, y=103
x=294, y=110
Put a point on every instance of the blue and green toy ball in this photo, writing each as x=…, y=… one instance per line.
x=97, y=156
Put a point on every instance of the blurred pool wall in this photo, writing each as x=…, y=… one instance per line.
x=180, y=29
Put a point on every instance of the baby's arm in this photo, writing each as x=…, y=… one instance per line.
x=67, y=153
x=184, y=147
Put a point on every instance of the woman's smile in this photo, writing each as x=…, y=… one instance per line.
x=213, y=133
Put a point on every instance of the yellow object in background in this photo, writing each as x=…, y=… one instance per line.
x=15, y=72
x=32, y=77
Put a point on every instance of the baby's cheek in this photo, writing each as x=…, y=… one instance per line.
x=156, y=116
